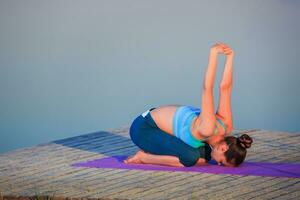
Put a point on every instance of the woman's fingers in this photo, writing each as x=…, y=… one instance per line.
x=223, y=44
x=227, y=50
x=221, y=47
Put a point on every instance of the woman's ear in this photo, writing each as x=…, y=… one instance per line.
x=224, y=147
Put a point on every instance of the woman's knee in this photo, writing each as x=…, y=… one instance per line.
x=133, y=130
x=190, y=158
x=134, y=135
x=138, y=132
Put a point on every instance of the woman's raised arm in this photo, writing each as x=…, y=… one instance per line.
x=207, y=116
x=224, y=108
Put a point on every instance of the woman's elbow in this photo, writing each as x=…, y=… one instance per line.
x=201, y=162
x=206, y=133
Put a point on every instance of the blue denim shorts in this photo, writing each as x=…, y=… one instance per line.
x=150, y=138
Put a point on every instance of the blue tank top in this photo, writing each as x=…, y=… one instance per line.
x=182, y=120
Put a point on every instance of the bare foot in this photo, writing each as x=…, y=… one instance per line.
x=136, y=159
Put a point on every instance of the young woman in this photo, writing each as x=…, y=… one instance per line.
x=183, y=135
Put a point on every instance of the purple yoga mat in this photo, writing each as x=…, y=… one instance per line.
x=291, y=170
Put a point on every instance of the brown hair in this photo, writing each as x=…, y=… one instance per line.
x=237, y=150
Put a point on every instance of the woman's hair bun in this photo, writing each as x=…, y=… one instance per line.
x=245, y=141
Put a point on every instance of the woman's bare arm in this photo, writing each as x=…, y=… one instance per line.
x=227, y=73
x=207, y=106
x=201, y=162
x=224, y=108
x=207, y=116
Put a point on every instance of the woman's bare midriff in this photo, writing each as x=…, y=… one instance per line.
x=163, y=117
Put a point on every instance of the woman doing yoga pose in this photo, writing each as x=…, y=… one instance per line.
x=183, y=135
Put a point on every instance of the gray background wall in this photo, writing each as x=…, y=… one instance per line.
x=73, y=67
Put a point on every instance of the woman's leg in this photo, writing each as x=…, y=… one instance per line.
x=148, y=137
x=147, y=158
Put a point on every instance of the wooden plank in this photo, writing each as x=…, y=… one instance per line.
x=47, y=168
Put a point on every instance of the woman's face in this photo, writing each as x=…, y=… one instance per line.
x=218, y=154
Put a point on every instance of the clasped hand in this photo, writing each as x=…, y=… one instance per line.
x=222, y=48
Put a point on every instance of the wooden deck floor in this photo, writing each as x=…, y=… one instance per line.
x=45, y=169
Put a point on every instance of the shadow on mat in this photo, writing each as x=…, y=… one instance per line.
x=103, y=142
